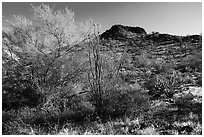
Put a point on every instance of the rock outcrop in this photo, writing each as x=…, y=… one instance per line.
x=120, y=31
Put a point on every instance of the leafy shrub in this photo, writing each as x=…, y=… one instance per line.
x=157, y=65
x=62, y=99
x=143, y=60
x=191, y=63
x=164, y=84
x=16, y=98
x=199, y=80
x=125, y=102
x=161, y=66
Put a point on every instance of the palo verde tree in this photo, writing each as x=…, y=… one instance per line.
x=38, y=52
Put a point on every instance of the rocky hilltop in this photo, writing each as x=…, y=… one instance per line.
x=121, y=32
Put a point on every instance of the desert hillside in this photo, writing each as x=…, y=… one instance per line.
x=61, y=77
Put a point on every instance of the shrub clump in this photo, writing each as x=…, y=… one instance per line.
x=125, y=102
x=165, y=84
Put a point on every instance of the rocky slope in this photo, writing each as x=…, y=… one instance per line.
x=124, y=38
x=178, y=51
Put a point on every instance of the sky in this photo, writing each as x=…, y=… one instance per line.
x=176, y=18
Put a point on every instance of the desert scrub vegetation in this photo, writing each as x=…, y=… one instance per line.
x=54, y=72
x=57, y=78
x=165, y=84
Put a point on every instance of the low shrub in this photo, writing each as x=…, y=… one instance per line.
x=148, y=131
x=164, y=84
x=199, y=80
x=125, y=102
x=156, y=65
x=17, y=98
x=191, y=63
x=143, y=60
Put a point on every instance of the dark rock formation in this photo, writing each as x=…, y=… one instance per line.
x=120, y=31
x=124, y=33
